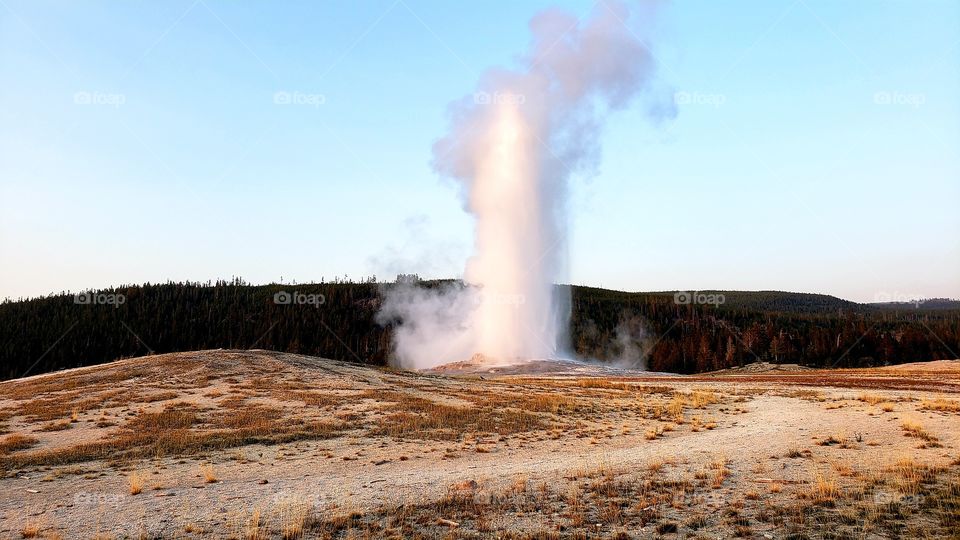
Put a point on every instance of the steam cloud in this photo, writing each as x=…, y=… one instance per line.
x=513, y=146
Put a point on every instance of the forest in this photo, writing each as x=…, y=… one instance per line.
x=337, y=320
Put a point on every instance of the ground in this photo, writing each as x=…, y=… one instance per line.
x=259, y=444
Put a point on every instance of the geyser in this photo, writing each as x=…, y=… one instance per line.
x=513, y=146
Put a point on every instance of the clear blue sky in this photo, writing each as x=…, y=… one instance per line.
x=815, y=148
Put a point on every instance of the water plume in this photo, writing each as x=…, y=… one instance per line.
x=512, y=147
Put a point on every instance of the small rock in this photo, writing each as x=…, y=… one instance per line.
x=262, y=482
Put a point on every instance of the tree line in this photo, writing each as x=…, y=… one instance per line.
x=337, y=320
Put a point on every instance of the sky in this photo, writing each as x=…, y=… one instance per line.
x=815, y=146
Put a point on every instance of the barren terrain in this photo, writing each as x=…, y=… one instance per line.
x=259, y=444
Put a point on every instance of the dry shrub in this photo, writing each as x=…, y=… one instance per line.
x=940, y=405
x=913, y=428
x=720, y=471
x=872, y=399
x=824, y=489
x=136, y=482
x=15, y=442
x=908, y=475
x=30, y=530
x=209, y=476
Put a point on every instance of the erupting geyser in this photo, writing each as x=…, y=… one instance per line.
x=516, y=316
x=513, y=146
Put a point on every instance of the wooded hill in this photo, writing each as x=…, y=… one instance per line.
x=55, y=332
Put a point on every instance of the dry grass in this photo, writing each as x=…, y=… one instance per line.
x=913, y=428
x=294, y=519
x=908, y=475
x=16, y=442
x=839, y=438
x=940, y=405
x=720, y=471
x=30, y=530
x=825, y=489
x=208, y=474
x=56, y=426
x=421, y=418
x=136, y=482
x=179, y=429
x=872, y=399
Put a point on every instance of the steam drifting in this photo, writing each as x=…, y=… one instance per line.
x=513, y=146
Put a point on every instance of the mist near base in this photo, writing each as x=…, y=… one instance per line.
x=512, y=147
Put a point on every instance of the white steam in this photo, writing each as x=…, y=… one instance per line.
x=513, y=146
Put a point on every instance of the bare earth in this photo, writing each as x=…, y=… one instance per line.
x=259, y=444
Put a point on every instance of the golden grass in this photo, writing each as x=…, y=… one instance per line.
x=16, y=442
x=136, y=481
x=30, y=530
x=209, y=476
x=872, y=399
x=294, y=519
x=825, y=489
x=56, y=426
x=913, y=428
x=720, y=471
x=940, y=405
x=179, y=429
x=908, y=475
x=421, y=418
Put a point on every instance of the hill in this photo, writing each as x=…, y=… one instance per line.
x=261, y=444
